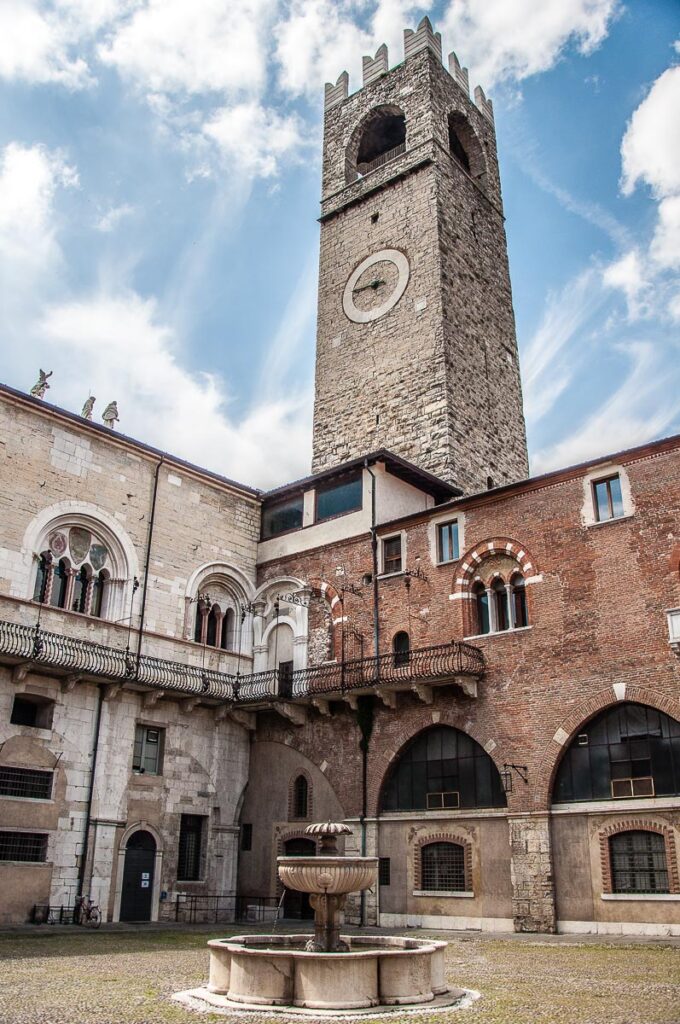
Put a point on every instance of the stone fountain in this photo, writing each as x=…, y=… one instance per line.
x=325, y=971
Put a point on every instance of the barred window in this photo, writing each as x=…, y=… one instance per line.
x=384, y=871
x=25, y=782
x=190, y=843
x=442, y=867
x=23, y=846
x=638, y=861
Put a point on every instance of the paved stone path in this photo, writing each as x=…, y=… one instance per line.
x=126, y=976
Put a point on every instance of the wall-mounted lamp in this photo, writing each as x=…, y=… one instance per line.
x=506, y=775
x=673, y=616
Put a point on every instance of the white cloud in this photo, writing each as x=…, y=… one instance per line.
x=665, y=248
x=29, y=179
x=254, y=138
x=36, y=47
x=124, y=352
x=111, y=218
x=172, y=46
x=650, y=150
x=501, y=40
x=627, y=274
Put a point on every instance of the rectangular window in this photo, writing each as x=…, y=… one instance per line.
x=148, y=753
x=337, y=499
x=25, y=782
x=246, y=837
x=33, y=711
x=447, y=542
x=280, y=518
x=392, y=554
x=24, y=846
x=608, y=498
x=190, y=843
x=440, y=801
x=384, y=871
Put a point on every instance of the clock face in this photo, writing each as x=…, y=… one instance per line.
x=375, y=286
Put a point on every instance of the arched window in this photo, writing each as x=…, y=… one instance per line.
x=439, y=768
x=518, y=596
x=42, y=576
x=79, y=595
x=401, y=646
x=465, y=147
x=380, y=137
x=638, y=862
x=483, y=621
x=59, y=584
x=99, y=585
x=214, y=626
x=630, y=750
x=442, y=867
x=500, y=605
x=300, y=797
x=229, y=641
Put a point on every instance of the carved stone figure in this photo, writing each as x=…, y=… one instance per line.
x=88, y=407
x=40, y=387
x=110, y=414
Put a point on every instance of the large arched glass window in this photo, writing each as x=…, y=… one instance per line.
x=441, y=768
x=627, y=751
x=442, y=867
x=638, y=862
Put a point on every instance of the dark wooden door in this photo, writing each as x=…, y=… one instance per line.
x=140, y=857
x=296, y=904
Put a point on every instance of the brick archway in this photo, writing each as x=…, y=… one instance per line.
x=470, y=561
x=581, y=714
x=395, y=739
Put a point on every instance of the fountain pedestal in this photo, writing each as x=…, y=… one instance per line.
x=327, y=924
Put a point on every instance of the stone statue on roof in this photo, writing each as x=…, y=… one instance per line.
x=88, y=407
x=110, y=414
x=40, y=387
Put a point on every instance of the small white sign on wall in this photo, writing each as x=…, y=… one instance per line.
x=146, y=875
x=145, y=883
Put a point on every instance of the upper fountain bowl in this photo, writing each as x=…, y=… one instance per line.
x=331, y=875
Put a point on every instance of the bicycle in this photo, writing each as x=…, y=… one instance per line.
x=87, y=912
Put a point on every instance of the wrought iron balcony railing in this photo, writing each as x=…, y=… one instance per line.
x=72, y=655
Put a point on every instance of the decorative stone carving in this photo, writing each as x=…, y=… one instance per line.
x=40, y=387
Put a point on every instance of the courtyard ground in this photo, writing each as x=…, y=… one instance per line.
x=115, y=976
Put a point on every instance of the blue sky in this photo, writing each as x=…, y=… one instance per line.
x=159, y=186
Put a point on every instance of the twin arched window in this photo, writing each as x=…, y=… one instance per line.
x=215, y=627
x=73, y=572
x=500, y=606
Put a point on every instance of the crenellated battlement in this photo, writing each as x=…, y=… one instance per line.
x=422, y=38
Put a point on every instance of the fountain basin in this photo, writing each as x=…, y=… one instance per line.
x=332, y=876
x=276, y=970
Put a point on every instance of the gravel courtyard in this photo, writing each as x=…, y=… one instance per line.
x=127, y=977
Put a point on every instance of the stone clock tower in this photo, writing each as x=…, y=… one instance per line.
x=416, y=348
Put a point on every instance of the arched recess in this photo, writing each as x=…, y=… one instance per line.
x=440, y=768
x=569, y=727
x=465, y=146
x=271, y=609
x=138, y=826
x=327, y=594
x=121, y=557
x=229, y=590
x=380, y=134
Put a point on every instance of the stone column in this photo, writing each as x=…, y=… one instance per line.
x=533, y=890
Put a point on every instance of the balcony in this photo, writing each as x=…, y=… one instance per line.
x=33, y=649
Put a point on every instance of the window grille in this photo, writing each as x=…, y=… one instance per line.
x=148, y=750
x=25, y=782
x=300, y=797
x=638, y=861
x=442, y=867
x=23, y=846
x=384, y=866
x=190, y=842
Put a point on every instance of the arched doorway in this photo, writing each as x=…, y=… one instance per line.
x=137, y=891
x=296, y=904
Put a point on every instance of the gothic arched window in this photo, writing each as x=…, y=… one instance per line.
x=401, y=646
x=518, y=595
x=439, y=768
x=79, y=593
x=499, y=596
x=630, y=750
x=300, y=797
x=483, y=620
x=59, y=584
x=99, y=584
x=42, y=576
